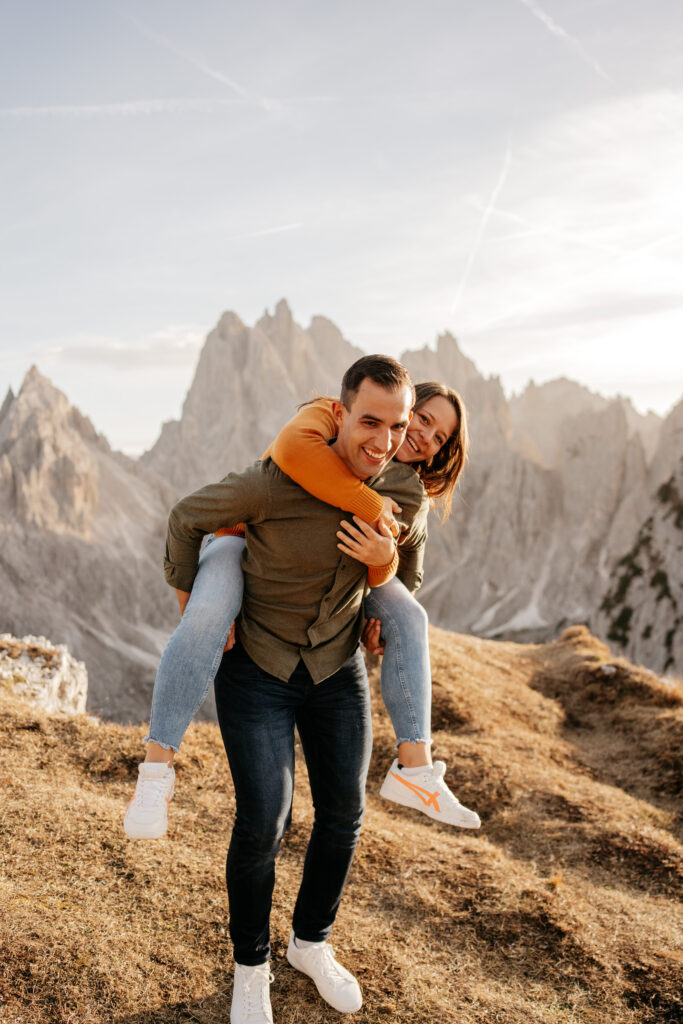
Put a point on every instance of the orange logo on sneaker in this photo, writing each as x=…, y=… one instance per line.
x=431, y=798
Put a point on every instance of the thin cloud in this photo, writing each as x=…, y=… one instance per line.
x=129, y=108
x=602, y=308
x=482, y=227
x=562, y=34
x=167, y=348
x=265, y=231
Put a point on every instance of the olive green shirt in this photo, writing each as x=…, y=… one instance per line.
x=302, y=596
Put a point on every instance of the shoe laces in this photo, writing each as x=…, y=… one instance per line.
x=438, y=771
x=256, y=991
x=150, y=792
x=333, y=971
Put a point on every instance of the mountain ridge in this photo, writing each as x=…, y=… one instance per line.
x=536, y=540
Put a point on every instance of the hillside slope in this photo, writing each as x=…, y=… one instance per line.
x=564, y=908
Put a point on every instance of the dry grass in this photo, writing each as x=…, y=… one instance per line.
x=564, y=908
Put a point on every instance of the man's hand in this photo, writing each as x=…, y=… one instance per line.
x=183, y=597
x=386, y=516
x=232, y=636
x=371, y=637
x=365, y=544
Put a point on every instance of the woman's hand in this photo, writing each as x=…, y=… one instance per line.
x=365, y=544
x=371, y=637
x=183, y=597
x=387, y=514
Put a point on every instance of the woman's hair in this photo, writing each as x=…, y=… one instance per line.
x=440, y=474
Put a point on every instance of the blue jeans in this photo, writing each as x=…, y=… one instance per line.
x=257, y=714
x=406, y=675
x=193, y=653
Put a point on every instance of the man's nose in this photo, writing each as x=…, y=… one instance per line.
x=382, y=440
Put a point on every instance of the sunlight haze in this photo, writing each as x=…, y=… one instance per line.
x=511, y=172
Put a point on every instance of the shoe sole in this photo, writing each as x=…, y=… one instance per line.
x=323, y=997
x=145, y=833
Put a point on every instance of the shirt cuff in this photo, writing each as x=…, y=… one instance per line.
x=378, y=575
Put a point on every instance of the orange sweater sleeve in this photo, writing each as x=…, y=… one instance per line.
x=378, y=575
x=302, y=452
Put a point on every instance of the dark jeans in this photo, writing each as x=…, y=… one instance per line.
x=257, y=714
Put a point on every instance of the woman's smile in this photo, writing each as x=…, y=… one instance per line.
x=431, y=426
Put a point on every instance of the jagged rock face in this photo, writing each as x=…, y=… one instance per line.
x=248, y=383
x=82, y=533
x=526, y=549
x=543, y=415
x=642, y=607
x=48, y=469
x=553, y=500
x=44, y=674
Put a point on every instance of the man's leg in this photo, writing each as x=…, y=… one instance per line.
x=256, y=716
x=335, y=727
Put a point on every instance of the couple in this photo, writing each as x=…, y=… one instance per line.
x=302, y=584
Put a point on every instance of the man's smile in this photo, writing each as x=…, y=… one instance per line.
x=374, y=455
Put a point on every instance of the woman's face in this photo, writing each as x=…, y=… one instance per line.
x=431, y=426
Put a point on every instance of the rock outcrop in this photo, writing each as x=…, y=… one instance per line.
x=46, y=675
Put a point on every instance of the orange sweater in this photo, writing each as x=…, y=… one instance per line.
x=301, y=450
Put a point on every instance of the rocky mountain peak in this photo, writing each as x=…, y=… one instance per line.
x=280, y=323
x=248, y=383
x=48, y=465
x=41, y=408
x=9, y=399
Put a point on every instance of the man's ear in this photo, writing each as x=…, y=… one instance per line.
x=339, y=411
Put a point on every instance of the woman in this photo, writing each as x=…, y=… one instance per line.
x=435, y=446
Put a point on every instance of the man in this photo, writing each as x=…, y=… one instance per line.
x=298, y=663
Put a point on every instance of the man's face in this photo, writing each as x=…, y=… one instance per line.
x=373, y=429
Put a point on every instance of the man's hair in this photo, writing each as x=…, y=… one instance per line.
x=382, y=370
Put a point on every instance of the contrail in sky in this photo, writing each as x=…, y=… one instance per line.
x=265, y=231
x=200, y=65
x=126, y=108
x=482, y=227
x=561, y=33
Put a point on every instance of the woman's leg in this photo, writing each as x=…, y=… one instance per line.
x=193, y=653
x=412, y=780
x=186, y=670
x=406, y=676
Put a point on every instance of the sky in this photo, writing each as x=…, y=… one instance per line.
x=509, y=171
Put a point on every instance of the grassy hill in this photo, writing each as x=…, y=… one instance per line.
x=565, y=907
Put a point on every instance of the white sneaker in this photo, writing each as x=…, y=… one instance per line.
x=251, y=995
x=336, y=985
x=426, y=791
x=146, y=816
